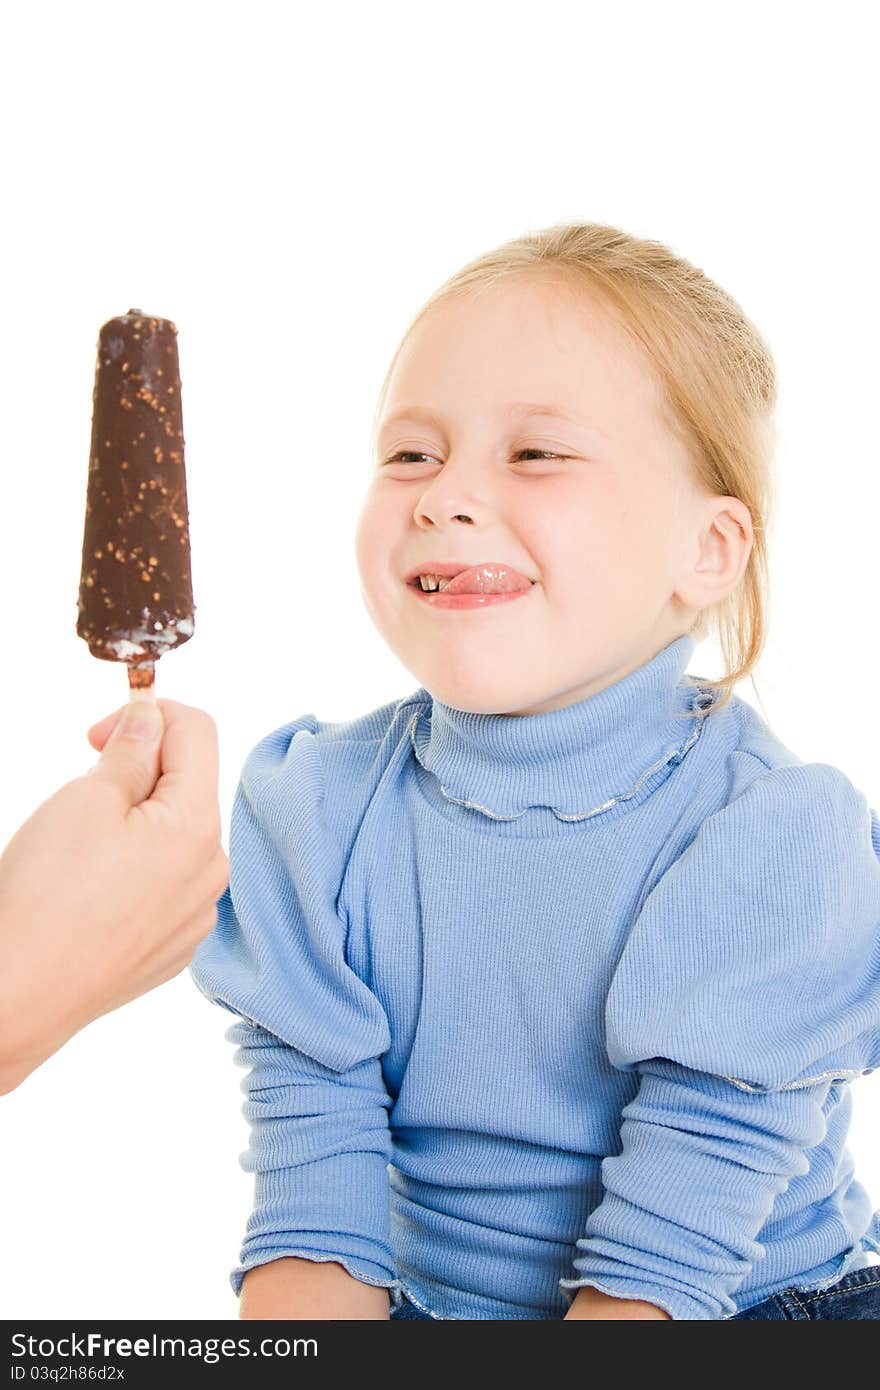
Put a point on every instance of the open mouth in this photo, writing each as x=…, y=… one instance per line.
x=466, y=599
x=490, y=577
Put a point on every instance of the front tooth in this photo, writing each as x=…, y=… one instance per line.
x=432, y=583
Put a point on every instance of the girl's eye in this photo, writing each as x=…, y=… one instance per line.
x=404, y=455
x=541, y=453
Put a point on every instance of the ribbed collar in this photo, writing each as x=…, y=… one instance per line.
x=578, y=760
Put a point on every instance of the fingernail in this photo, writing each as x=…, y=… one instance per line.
x=142, y=719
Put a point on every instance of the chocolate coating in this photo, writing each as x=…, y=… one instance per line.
x=135, y=593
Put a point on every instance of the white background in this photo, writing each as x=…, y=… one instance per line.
x=288, y=183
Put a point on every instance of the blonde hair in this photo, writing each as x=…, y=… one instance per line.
x=718, y=385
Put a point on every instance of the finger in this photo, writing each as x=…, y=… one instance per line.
x=102, y=728
x=189, y=764
x=99, y=733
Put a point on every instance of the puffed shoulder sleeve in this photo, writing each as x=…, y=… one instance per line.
x=748, y=984
x=310, y=1030
x=757, y=955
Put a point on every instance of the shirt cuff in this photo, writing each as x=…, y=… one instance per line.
x=677, y=1303
x=364, y=1270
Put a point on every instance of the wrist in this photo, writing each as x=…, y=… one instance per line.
x=293, y=1287
x=36, y=1018
x=590, y=1304
x=28, y=1040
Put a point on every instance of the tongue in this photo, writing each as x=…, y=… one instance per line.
x=487, y=579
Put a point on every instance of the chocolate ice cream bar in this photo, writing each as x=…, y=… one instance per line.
x=135, y=594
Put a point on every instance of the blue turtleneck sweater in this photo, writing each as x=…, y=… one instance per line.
x=533, y=1002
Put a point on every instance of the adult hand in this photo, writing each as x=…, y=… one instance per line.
x=108, y=888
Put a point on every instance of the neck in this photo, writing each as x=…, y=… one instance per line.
x=577, y=759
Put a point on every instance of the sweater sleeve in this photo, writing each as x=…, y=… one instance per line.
x=748, y=986
x=310, y=1031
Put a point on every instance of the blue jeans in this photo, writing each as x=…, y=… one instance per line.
x=854, y=1298
x=407, y=1309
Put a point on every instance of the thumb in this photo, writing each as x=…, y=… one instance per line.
x=130, y=759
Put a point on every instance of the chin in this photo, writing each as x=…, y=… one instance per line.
x=476, y=697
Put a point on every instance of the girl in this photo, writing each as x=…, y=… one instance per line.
x=552, y=976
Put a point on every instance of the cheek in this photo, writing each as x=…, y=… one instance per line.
x=582, y=528
x=603, y=539
x=374, y=536
x=643, y=532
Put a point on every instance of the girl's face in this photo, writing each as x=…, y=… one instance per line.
x=588, y=497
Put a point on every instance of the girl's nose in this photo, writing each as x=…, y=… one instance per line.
x=453, y=495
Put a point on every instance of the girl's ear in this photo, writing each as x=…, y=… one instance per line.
x=724, y=544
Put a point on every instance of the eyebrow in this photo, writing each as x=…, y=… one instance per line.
x=523, y=409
